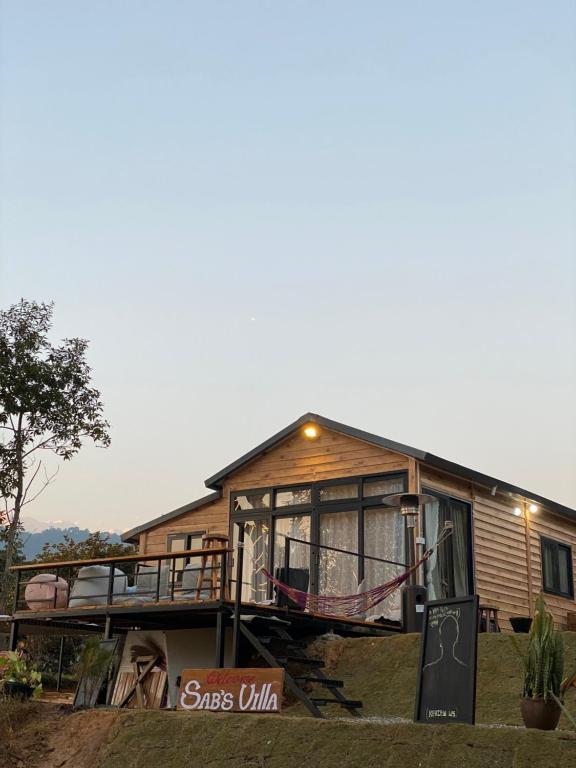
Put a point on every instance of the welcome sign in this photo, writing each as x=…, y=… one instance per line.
x=231, y=690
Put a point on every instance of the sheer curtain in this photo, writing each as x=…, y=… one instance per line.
x=384, y=538
x=338, y=571
x=256, y=543
x=296, y=527
x=446, y=572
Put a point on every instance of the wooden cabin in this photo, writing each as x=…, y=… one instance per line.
x=323, y=482
x=311, y=503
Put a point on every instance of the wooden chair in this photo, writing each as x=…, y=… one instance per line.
x=209, y=573
x=488, y=620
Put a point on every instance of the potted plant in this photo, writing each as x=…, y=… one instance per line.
x=19, y=678
x=541, y=702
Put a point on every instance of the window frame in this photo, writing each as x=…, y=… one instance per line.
x=315, y=508
x=557, y=545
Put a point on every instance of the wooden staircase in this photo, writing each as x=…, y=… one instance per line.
x=275, y=644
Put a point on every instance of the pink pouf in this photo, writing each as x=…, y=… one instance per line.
x=41, y=589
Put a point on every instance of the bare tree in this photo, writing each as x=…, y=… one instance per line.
x=46, y=405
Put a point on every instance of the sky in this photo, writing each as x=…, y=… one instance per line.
x=257, y=209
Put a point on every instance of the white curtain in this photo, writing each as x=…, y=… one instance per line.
x=431, y=568
x=338, y=571
x=383, y=538
x=256, y=543
x=296, y=527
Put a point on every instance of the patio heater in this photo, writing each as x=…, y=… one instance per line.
x=413, y=594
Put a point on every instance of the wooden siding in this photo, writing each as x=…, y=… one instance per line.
x=503, y=577
x=551, y=526
x=502, y=554
x=296, y=460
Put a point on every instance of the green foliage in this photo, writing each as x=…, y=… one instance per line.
x=92, y=667
x=47, y=404
x=20, y=670
x=96, y=545
x=544, y=660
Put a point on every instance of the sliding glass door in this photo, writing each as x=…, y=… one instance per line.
x=449, y=571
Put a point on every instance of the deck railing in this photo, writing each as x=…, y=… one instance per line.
x=105, y=581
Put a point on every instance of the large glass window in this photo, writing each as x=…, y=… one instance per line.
x=252, y=500
x=556, y=568
x=256, y=552
x=293, y=497
x=295, y=527
x=338, y=573
x=339, y=492
x=383, y=538
x=344, y=514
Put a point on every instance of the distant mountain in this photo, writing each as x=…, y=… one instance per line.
x=34, y=541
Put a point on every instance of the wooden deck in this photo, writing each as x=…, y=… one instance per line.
x=197, y=614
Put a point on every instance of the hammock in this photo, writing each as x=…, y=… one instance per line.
x=351, y=605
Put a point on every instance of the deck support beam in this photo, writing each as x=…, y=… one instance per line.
x=238, y=596
x=13, y=641
x=220, y=638
x=108, y=628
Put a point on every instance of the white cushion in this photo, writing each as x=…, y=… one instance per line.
x=147, y=579
x=91, y=586
x=42, y=589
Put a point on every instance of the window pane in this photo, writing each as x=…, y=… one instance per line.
x=337, y=492
x=383, y=486
x=383, y=537
x=294, y=496
x=251, y=501
x=548, y=566
x=296, y=527
x=339, y=571
x=256, y=543
x=564, y=569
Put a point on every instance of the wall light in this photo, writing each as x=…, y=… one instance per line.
x=533, y=507
x=517, y=511
x=311, y=431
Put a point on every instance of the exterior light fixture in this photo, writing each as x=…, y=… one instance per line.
x=533, y=508
x=518, y=511
x=409, y=504
x=311, y=431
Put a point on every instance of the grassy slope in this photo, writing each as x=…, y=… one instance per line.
x=382, y=673
x=176, y=739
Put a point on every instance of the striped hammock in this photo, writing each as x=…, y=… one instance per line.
x=352, y=605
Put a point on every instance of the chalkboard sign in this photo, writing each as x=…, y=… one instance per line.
x=447, y=673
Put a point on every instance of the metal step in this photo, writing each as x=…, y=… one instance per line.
x=325, y=681
x=300, y=660
x=268, y=639
x=348, y=703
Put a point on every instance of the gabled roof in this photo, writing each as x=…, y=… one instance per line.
x=133, y=532
x=217, y=480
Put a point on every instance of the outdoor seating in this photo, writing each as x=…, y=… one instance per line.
x=91, y=586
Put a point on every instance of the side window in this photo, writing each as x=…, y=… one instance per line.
x=556, y=568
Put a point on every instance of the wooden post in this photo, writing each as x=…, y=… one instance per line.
x=108, y=628
x=528, y=557
x=238, y=595
x=60, y=659
x=13, y=642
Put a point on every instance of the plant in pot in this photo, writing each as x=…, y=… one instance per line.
x=542, y=700
x=18, y=677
